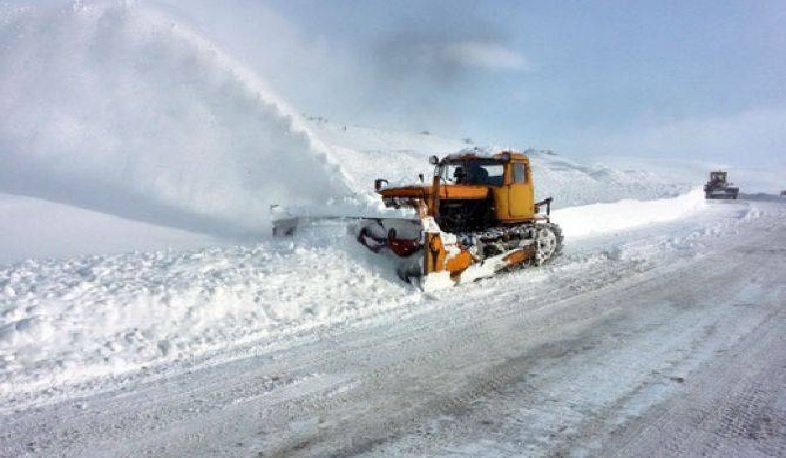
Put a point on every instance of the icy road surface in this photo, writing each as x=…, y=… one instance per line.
x=666, y=339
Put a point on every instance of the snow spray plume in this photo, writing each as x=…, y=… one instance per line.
x=116, y=107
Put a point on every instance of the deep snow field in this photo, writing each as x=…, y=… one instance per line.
x=149, y=259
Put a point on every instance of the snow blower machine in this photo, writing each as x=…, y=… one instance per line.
x=719, y=188
x=477, y=217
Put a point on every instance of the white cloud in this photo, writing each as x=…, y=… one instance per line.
x=480, y=54
x=491, y=56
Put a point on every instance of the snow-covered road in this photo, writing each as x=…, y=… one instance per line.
x=661, y=339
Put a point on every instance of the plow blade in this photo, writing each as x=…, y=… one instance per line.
x=430, y=258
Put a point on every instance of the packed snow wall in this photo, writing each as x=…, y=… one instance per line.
x=116, y=107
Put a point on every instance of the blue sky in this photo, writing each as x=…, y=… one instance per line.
x=699, y=79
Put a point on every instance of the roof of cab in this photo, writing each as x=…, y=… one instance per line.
x=478, y=153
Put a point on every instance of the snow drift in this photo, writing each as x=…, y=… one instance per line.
x=604, y=218
x=118, y=108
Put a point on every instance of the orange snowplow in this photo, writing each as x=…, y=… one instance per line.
x=478, y=216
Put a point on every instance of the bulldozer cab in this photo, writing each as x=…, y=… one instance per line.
x=506, y=176
x=718, y=177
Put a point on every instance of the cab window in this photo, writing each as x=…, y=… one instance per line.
x=487, y=172
x=519, y=172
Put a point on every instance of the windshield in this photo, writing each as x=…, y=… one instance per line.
x=473, y=171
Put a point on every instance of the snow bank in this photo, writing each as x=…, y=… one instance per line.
x=115, y=107
x=583, y=221
x=65, y=322
x=572, y=183
x=28, y=232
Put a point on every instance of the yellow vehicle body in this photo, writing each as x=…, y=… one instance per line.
x=512, y=195
x=470, y=196
x=478, y=216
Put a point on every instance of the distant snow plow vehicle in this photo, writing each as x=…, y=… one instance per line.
x=719, y=188
x=477, y=217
